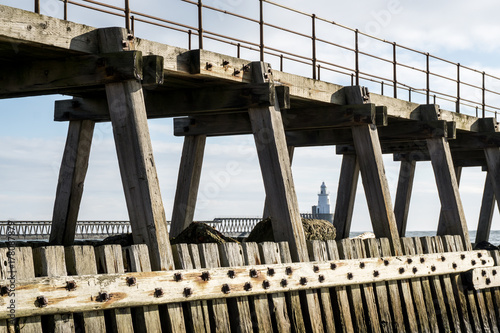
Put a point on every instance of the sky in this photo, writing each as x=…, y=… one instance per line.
x=31, y=143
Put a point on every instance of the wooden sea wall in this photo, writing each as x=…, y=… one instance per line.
x=437, y=303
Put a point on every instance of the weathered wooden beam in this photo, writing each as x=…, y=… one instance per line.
x=449, y=195
x=482, y=278
x=269, y=135
x=335, y=116
x=71, y=179
x=179, y=102
x=73, y=74
x=493, y=161
x=403, y=195
x=486, y=213
x=188, y=183
x=188, y=285
x=346, y=194
x=442, y=219
x=135, y=158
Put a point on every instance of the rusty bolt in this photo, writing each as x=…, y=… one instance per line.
x=462, y=256
x=209, y=66
x=178, y=277
x=488, y=281
x=414, y=270
x=483, y=262
x=433, y=268
x=247, y=286
x=4, y=291
x=315, y=269
x=271, y=272
x=454, y=265
x=494, y=272
x=246, y=68
x=225, y=288
x=362, y=265
x=483, y=273
x=187, y=292
x=236, y=72
x=130, y=37
x=158, y=292
x=284, y=283
x=409, y=261
x=443, y=258
x=41, y=301
x=205, y=276
x=70, y=285
x=225, y=63
x=473, y=262
x=266, y=76
x=103, y=297
x=266, y=284
x=376, y=273
x=350, y=276
x=231, y=274
x=333, y=266
x=288, y=270
x=303, y=281
x=124, y=43
x=422, y=260
x=401, y=270
x=386, y=262
x=479, y=255
x=253, y=273
x=321, y=278
x=131, y=281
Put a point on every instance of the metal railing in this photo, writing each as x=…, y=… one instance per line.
x=467, y=93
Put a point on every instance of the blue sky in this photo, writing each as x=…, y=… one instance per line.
x=31, y=143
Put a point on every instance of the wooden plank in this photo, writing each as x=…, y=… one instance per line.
x=49, y=261
x=147, y=318
x=270, y=254
x=346, y=195
x=486, y=213
x=209, y=255
x=270, y=141
x=402, y=292
x=80, y=260
x=319, y=252
x=446, y=180
x=188, y=183
x=262, y=321
x=232, y=255
x=70, y=184
x=135, y=157
x=387, y=324
x=425, y=310
x=403, y=195
x=375, y=184
x=196, y=310
x=109, y=260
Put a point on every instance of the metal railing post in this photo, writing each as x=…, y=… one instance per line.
x=458, y=88
x=200, y=24
x=409, y=95
x=238, y=50
x=484, y=94
x=65, y=10
x=127, y=15
x=382, y=88
x=37, y=6
x=132, y=24
x=319, y=71
x=261, y=27
x=313, y=16
x=356, y=54
x=428, y=74
x=281, y=62
x=190, y=33
x=394, y=69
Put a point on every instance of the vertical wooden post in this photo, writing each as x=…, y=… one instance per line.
x=71, y=178
x=486, y=214
x=403, y=195
x=442, y=220
x=135, y=157
x=493, y=161
x=269, y=135
x=446, y=180
x=188, y=183
x=267, y=208
x=346, y=194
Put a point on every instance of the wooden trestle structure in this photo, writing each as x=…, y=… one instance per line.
x=388, y=284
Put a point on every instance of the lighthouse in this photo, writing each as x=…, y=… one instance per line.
x=322, y=210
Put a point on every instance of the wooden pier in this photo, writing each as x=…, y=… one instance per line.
x=387, y=284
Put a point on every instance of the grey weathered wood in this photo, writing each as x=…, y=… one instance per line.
x=375, y=184
x=199, y=322
x=495, y=292
x=80, y=260
x=231, y=255
x=403, y=194
x=109, y=259
x=135, y=157
x=147, y=318
x=71, y=179
x=493, y=160
x=269, y=135
x=355, y=295
x=447, y=184
x=209, y=255
x=405, y=295
x=486, y=213
x=442, y=219
x=270, y=254
x=262, y=321
x=387, y=324
x=188, y=183
x=318, y=252
x=425, y=310
x=346, y=194
x=49, y=261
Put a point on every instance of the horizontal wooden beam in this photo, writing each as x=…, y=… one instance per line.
x=334, y=116
x=108, y=291
x=180, y=102
x=76, y=73
x=473, y=158
x=482, y=278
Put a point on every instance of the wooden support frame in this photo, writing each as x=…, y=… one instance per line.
x=346, y=195
x=486, y=213
x=71, y=179
x=403, y=194
x=269, y=135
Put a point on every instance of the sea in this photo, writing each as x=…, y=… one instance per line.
x=494, y=235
